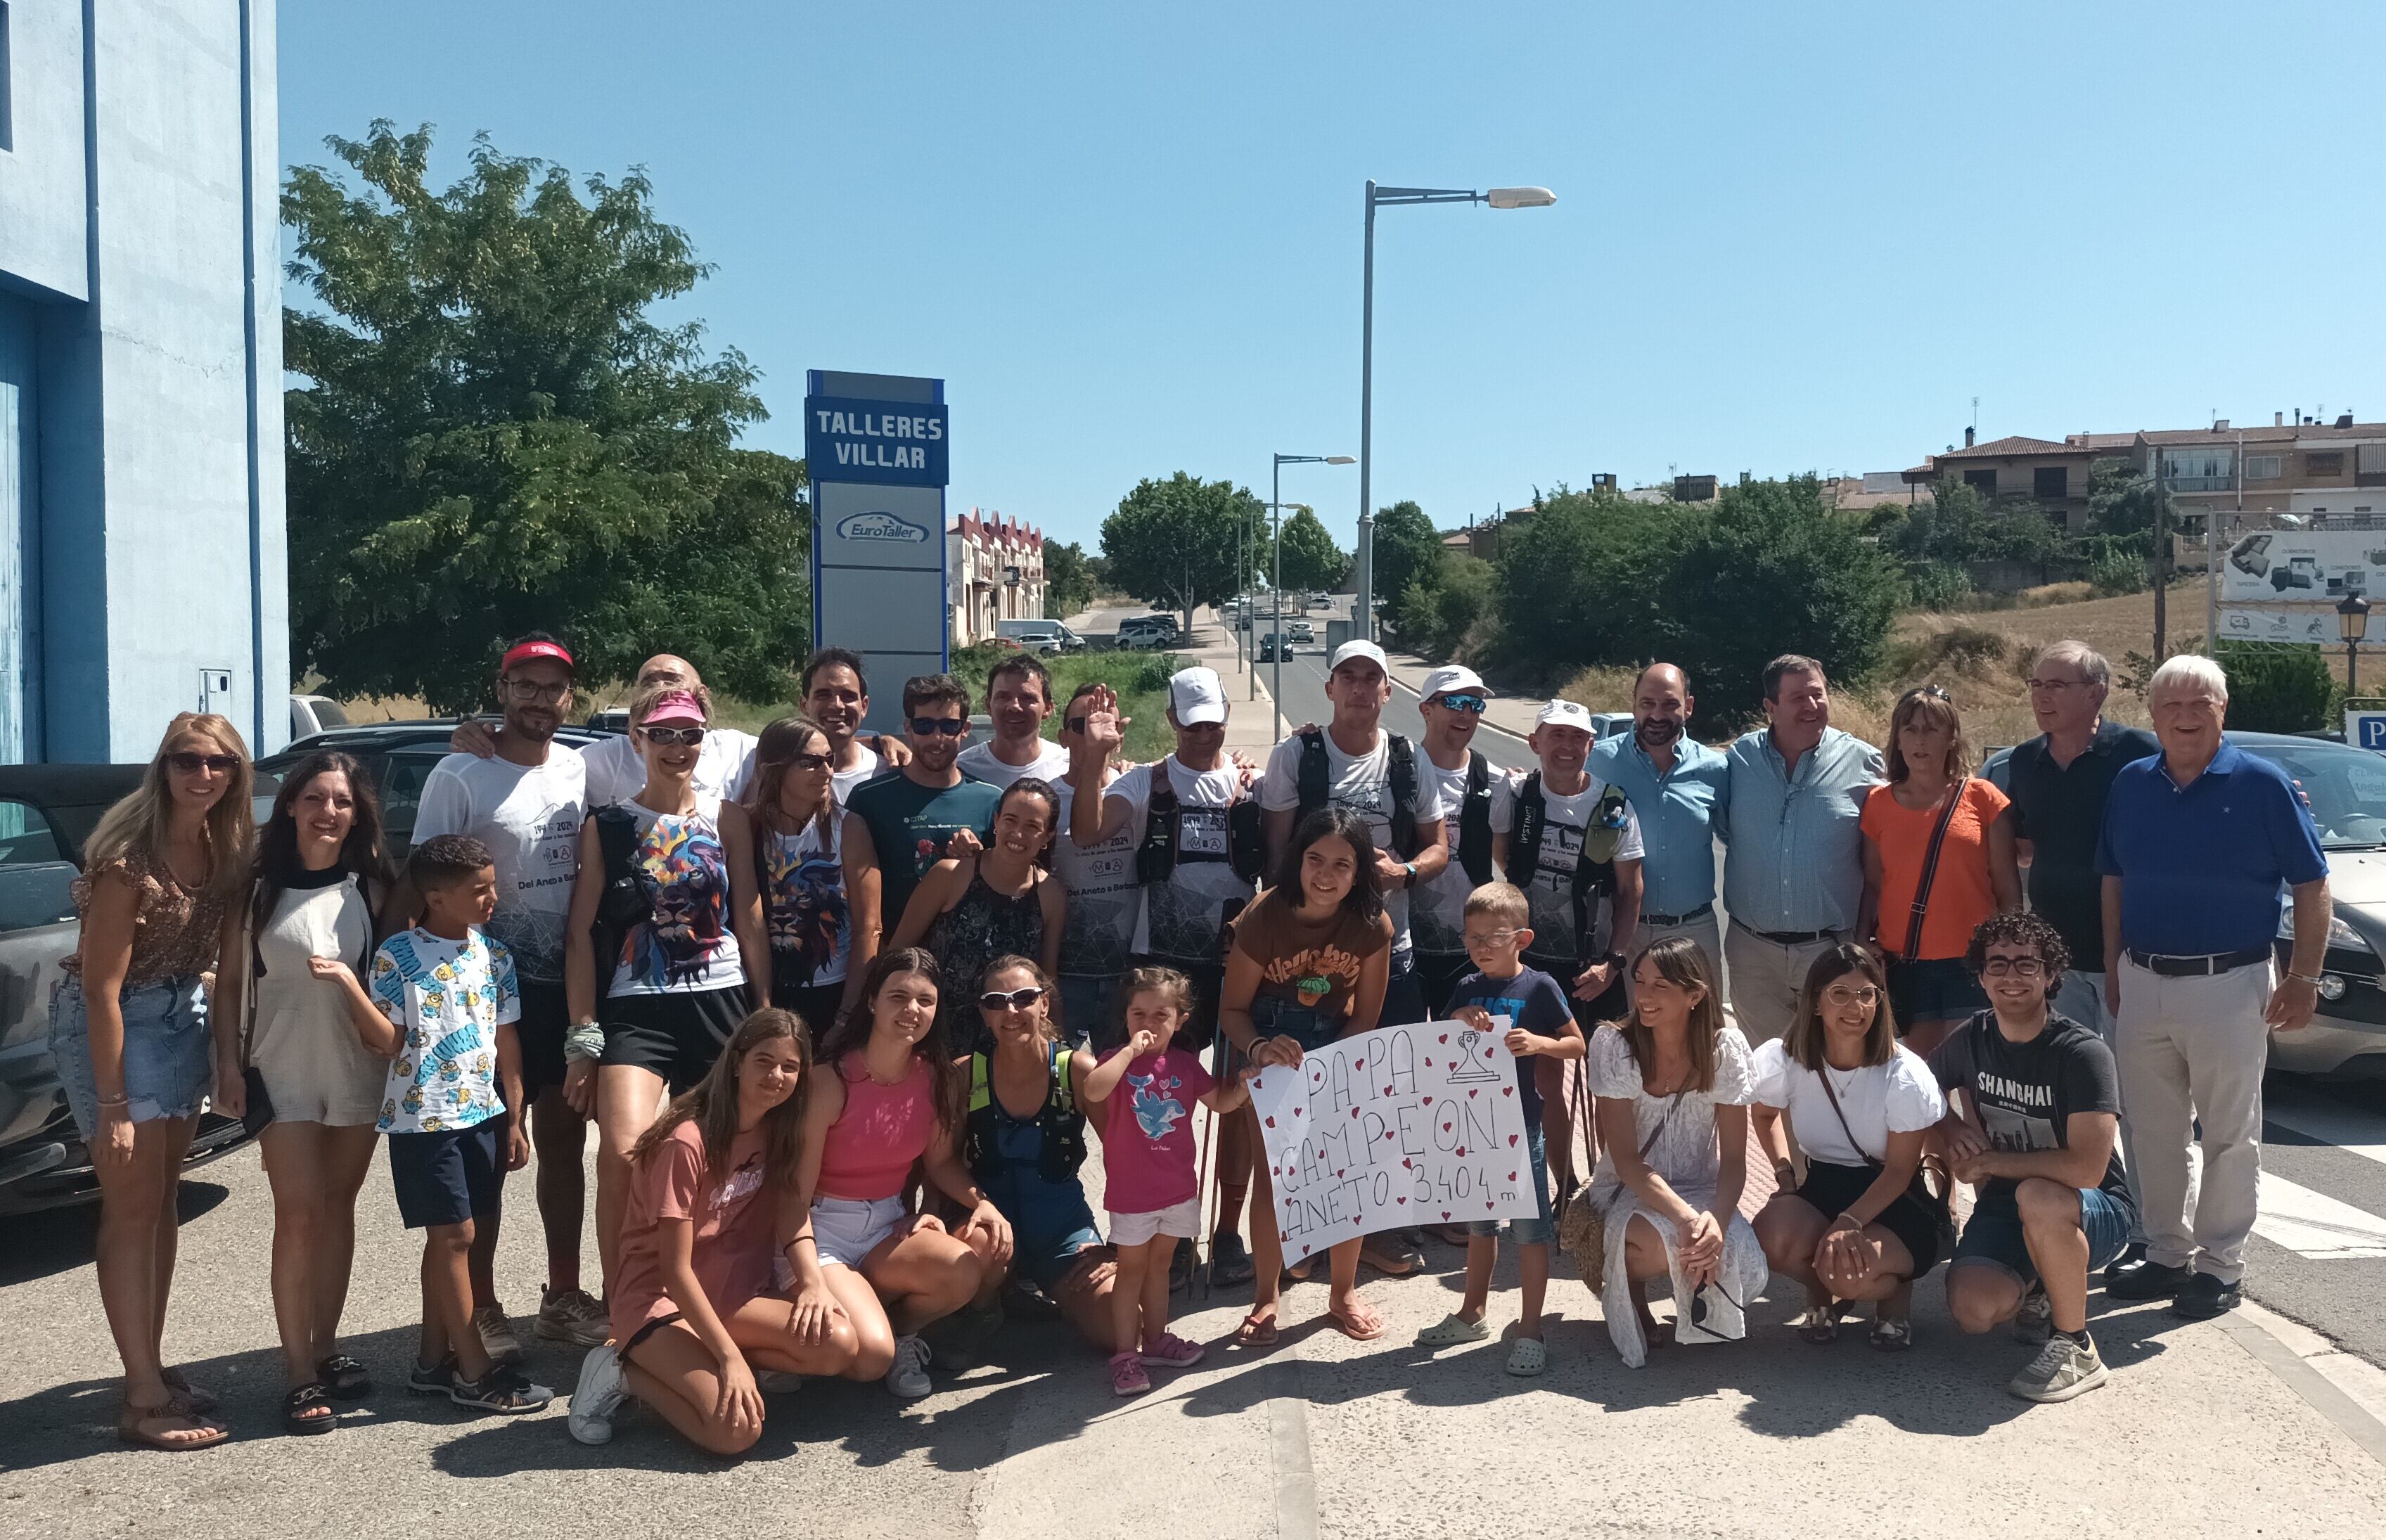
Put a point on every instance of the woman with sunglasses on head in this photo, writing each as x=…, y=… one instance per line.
x=799, y=860
x=1938, y=861
x=978, y=905
x=1863, y=1224
x=685, y=952
x=163, y=874
x=1024, y=1139
x=286, y=993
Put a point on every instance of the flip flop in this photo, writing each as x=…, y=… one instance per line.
x=133, y=1427
x=201, y=1401
x=1351, y=1328
x=1257, y=1330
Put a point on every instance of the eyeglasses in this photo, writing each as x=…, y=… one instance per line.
x=808, y=762
x=934, y=726
x=531, y=693
x=2020, y=967
x=675, y=737
x=1846, y=995
x=191, y=764
x=1016, y=999
x=1489, y=938
x=1472, y=705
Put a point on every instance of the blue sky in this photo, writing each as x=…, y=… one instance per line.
x=1127, y=235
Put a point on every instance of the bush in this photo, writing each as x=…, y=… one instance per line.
x=2118, y=572
x=1938, y=585
x=2276, y=686
x=1432, y=619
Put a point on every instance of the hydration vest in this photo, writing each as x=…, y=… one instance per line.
x=1061, y=1122
x=1162, y=844
x=1315, y=786
x=1472, y=849
x=1594, y=867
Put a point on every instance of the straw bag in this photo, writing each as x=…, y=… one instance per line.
x=1582, y=1229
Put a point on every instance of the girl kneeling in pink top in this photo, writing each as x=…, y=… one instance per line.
x=895, y=1096
x=711, y=1188
x=1150, y=1184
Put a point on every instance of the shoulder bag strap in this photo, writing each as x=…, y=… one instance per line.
x=248, y=970
x=1824, y=1074
x=1913, y=947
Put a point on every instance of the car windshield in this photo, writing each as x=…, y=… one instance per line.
x=2346, y=787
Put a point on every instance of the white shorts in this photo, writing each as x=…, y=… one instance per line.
x=1183, y=1221
x=848, y=1229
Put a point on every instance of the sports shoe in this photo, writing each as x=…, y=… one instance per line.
x=959, y=1340
x=2146, y=1280
x=573, y=1315
x=1171, y=1351
x=2035, y=1322
x=501, y=1389
x=2207, y=1296
x=2062, y=1370
x=498, y=1337
x=2130, y=1256
x=431, y=1379
x=1127, y=1377
x=1229, y=1263
x=907, y=1376
x=1454, y=1329
x=597, y=1397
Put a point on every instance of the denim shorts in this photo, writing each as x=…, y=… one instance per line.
x=169, y=1058
x=1936, y=989
x=1539, y=1230
x=1273, y=1016
x=1993, y=1234
x=1049, y=1223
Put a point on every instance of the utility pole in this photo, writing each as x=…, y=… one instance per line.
x=2162, y=560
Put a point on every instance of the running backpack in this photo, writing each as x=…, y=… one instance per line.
x=1315, y=786
x=623, y=901
x=1594, y=868
x=1157, y=857
x=1472, y=851
x=1061, y=1122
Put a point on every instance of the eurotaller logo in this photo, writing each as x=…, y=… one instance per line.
x=880, y=525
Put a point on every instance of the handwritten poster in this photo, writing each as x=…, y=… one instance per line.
x=1399, y=1126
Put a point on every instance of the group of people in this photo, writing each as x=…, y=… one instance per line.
x=840, y=1007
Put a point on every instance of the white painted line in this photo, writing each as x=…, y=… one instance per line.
x=2321, y=1379
x=2315, y=1226
x=2362, y=1133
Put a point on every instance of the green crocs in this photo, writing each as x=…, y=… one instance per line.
x=1528, y=1357
x=1453, y=1330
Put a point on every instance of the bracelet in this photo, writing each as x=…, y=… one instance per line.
x=800, y=1240
x=586, y=1042
x=2311, y=978
x=116, y=1101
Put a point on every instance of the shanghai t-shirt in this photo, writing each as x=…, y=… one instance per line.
x=529, y=815
x=2024, y=1093
x=1147, y=1133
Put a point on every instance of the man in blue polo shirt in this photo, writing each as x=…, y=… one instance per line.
x=2197, y=842
x=1673, y=781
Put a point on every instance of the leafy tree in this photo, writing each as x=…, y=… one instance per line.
x=1180, y=543
x=1958, y=525
x=493, y=436
x=1309, y=555
x=1068, y=581
x=1407, y=549
x=2122, y=501
x=1434, y=620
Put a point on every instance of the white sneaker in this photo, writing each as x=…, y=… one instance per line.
x=909, y=1375
x=2062, y=1370
x=597, y=1397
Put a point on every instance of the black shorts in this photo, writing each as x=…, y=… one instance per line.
x=450, y=1176
x=816, y=1003
x=676, y=1035
x=1914, y=1218
x=1200, y=1029
x=545, y=1020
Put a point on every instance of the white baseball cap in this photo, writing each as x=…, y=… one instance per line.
x=1357, y=648
x=1565, y=713
x=1453, y=676
x=1197, y=696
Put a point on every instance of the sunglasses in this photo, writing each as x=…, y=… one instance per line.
x=189, y=763
x=675, y=737
x=808, y=762
x=1016, y=999
x=1472, y=705
x=932, y=727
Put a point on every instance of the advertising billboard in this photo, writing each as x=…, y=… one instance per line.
x=2305, y=565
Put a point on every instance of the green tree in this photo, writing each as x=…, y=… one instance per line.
x=1309, y=555
x=1582, y=580
x=2122, y=501
x=1068, y=581
x=2276, y=686
x=1956, y=524
x=493, y=436
x=1434, y=620
x=1407, y=549
x=1180, y=543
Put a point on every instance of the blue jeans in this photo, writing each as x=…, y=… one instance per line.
x=1403, y=994
x=169, y=1058
x=1994, y=1232
x=1086, y=1005
x=1539, y=1230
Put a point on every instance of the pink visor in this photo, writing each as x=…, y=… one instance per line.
x=677, y=707
x=525, y=651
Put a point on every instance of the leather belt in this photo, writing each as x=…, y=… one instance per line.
x=2197, y=967
x=1700, y=913
x=1788, y=938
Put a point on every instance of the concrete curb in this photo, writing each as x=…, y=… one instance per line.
x=2348, y=1391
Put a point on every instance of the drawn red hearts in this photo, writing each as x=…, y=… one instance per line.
x=1470, y=1093
x=1512, y=1176
x=1387, y=1133
x=1357, y=1064
x=1408, y=1165
x=1507, y=1090
x=1297, y=1112
x=1487, y=1202
x=1271, y=1123
x=1387, y=1090
x=1445, y=1213
x=1354, y=1112
x=1512, y=1141
x=1462, y=1150
x=1401, y=1200
x=1428, y=1101
x=1443, y=1038
x=1337, y=1170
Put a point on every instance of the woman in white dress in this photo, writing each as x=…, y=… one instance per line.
x=1673, y=1090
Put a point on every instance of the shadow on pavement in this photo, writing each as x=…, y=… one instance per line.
x=59, y=1240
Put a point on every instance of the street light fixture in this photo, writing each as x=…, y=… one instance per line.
x=1498, y=197
x=2353, y=624
x=1276, y=502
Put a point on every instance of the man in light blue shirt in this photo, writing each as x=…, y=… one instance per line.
x=1793, y=872
x=1674, y=783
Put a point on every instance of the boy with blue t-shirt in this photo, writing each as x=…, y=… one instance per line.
x=1531, y=1010
x=452, y=1106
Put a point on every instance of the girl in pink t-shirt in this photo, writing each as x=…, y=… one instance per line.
x=713, y=1186
x=1150, y=1183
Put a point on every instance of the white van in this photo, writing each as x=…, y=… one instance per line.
x=1039, y=636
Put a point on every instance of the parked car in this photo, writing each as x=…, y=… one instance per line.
x=312, y=714
x=47, y=813
x=1046, y=637
x=2346, y=788
x=398, y=756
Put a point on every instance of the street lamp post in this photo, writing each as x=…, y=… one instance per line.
x=1498, y=197
x=1275, y=504
x=2353, y=624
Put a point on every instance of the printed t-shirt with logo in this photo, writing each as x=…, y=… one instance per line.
x=1312, y=963
x=1183, y=917
x=909, y=824
x=1147, y=1133
x=448, y=1000
x=1363, y=786
x=980, y=762
x=684, y=946
x=1437, y=907
x=724, y=768
x=1531, y=1000
x=1551, y=893
x=803, y=900
x=1105, y=909
x=529, y=815
x=2024, y=1093
x=734, y=1225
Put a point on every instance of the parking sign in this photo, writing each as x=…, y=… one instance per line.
x=2365, y=730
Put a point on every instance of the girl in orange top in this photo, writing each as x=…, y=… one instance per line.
x=1930, y=988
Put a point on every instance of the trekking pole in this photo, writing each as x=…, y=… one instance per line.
x=1209, y=1266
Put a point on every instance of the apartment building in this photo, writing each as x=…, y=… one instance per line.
x=2335, y=468
x=994, y=570
x=2051, y=474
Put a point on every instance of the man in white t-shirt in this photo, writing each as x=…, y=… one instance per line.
x=1018, y=698
x=525, y=802
x=1451, y=703
x=836, y=697
x=1353, y=763
x=1105, y=911
x=724, y=766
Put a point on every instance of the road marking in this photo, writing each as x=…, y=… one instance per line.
x=2339, y=1126
x=2315, y=1226
x=1289, y=1451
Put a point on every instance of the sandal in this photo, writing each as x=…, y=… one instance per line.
x=1820, y=1323
x=1352, y=1329
x=133, y=1426
x=344, y=1378
x=200, y=1400
x=297, y=1414
x=1257, y=1330
x=1892, y=1334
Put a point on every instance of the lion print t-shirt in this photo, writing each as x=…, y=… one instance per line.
x=1313, y=963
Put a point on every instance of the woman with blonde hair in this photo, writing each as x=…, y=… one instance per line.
x=1672, y=1083
x=163, y=874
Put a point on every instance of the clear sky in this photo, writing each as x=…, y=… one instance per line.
x=1127, y=235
